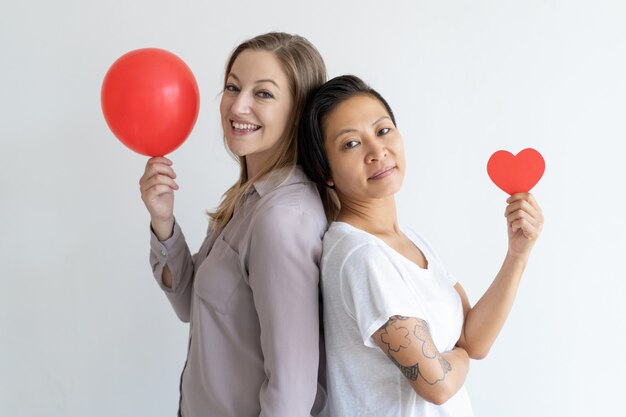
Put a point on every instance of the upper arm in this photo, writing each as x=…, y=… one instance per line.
x=408, y=344
x=283, y=274
x=466, y=308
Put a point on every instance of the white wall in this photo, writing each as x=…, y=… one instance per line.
x=84, y=330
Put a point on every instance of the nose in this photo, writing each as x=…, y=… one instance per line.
x=376, y=150
x=242, y=103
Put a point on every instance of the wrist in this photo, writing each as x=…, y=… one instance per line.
x=163, y=230
x=519, y=261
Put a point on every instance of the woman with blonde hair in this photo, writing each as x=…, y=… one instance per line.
x=250, y=294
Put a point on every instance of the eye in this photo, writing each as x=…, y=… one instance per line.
x=384, y=131
x=232, y=88
x=351, y=144
x=264, y=94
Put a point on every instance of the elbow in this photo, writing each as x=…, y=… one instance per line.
x=439, y=400
x=439, y=395
x=475, y=351
x=478, y=356
x=183, y=316
x=478, y=353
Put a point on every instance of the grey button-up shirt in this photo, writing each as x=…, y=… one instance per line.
x=251, y=297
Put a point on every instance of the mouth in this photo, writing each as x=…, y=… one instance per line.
x=382, y=173
x=244, y=127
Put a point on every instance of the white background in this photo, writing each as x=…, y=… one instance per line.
x=84, y=329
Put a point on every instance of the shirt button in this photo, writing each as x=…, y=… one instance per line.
x=163, y=252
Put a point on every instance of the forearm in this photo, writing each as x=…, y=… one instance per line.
x=433, y=375
x=173, y=269
x=453, y=369
x=484, y=321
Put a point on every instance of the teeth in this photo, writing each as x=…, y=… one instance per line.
x=244, y=126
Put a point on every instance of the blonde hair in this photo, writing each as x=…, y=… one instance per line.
x=305, y=69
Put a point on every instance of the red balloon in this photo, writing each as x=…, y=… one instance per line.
x=150, y=101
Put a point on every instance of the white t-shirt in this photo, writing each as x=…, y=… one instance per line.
x=364, y=283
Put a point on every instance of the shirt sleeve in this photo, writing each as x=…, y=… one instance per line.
x=175, y=253
x=373, y=290
x=283, y=272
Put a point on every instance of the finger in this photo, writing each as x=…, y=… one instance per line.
x=516, y=197
x=528, y=197
x=526, y=211
x=533, y=202
x=521, y=205
x=154, y=161
x=528, y=230
x=156, y=169
x=156, y=191
x=160, y=160
x=522, y=215
x=158, y=180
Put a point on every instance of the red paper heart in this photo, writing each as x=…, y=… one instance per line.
x=516, y=173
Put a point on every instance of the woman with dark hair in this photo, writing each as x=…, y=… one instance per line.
x=250, y=294
x=399, y=328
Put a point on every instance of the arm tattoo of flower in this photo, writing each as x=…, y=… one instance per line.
x=401, y=332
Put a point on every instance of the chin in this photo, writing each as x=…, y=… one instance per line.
x=236, y=148
x=390, y=190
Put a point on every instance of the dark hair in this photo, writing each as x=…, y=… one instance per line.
x=311, y=153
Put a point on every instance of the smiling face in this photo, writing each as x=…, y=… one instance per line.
x=255, y=107
x=364, y=150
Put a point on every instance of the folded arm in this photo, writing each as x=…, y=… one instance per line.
x=434, y=376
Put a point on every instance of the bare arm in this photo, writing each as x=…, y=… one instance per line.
x=484, y=321
x=434, y=376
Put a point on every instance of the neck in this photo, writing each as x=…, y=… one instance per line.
x=377, y=216
x=251, y=169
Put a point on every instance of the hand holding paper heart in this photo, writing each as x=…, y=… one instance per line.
x=524, y=223
x=516, y=173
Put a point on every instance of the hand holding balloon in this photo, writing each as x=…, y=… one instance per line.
x=157, y=187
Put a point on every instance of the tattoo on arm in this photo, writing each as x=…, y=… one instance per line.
x=401, y=332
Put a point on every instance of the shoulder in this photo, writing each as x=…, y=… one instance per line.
x=291, y=210
x=346, y=247
x=341, y=237
x=422, y=243
x=293, y=194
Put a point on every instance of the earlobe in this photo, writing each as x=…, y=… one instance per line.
x=330, y=183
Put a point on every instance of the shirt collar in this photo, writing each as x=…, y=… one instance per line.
x=279, y=178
